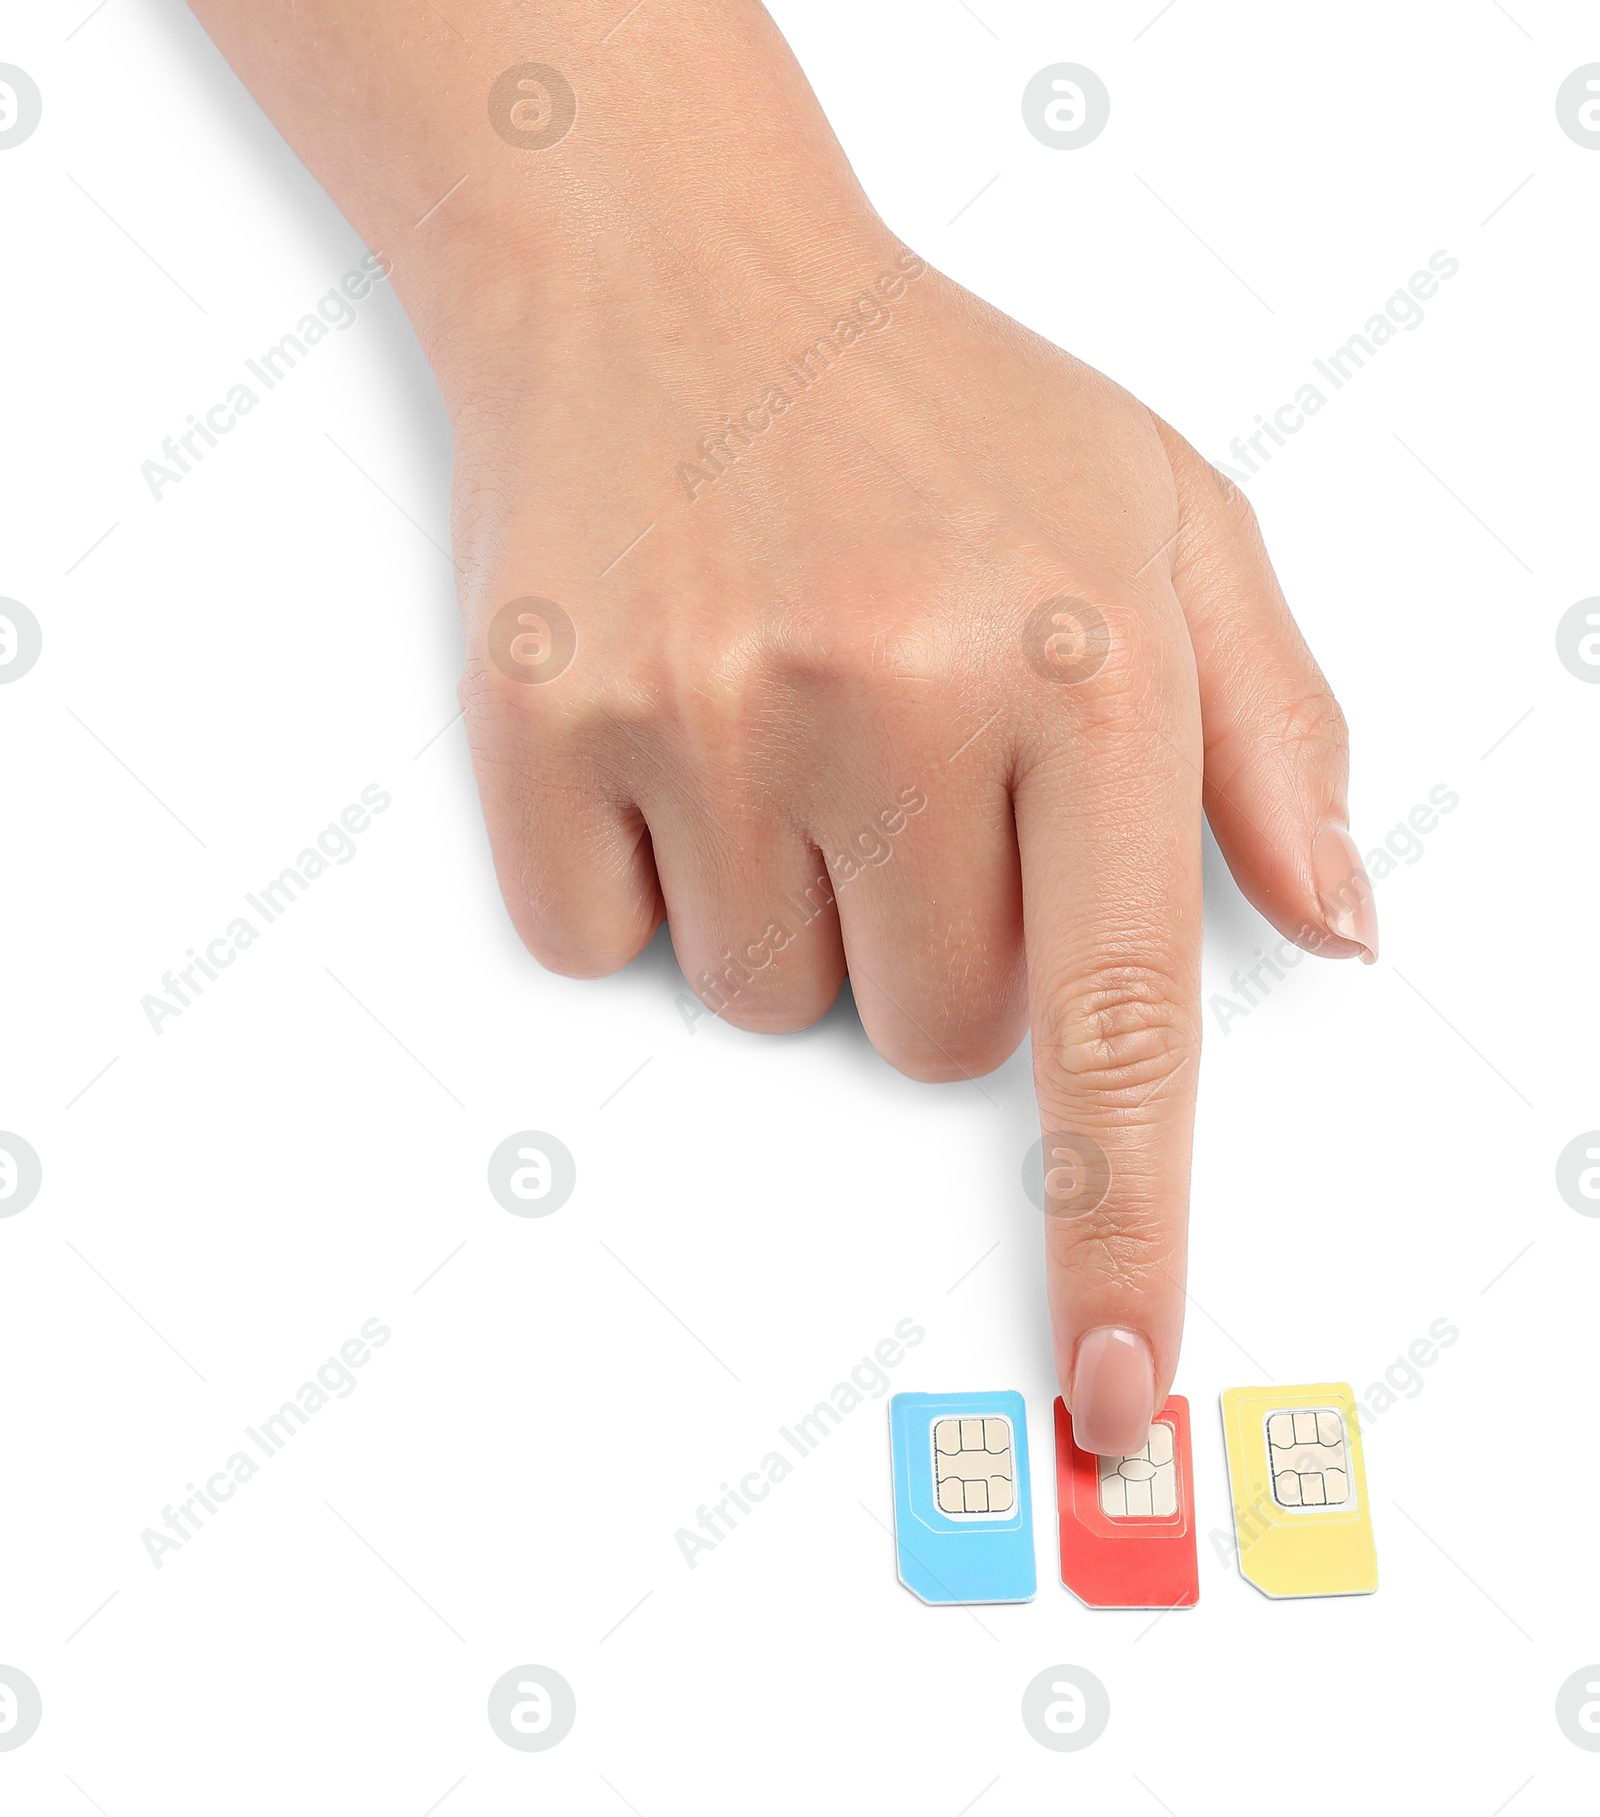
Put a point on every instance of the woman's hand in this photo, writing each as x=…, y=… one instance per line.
x=819, y=607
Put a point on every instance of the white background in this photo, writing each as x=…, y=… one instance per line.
x=1376, y=1147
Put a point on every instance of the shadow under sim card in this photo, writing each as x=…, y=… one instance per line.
x=1127, y=1523
x=963, y=1521
x=1300, y=1508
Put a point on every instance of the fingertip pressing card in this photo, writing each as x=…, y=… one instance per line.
x=1127, y=1523
x=1300, y=1509
x=963, y=1522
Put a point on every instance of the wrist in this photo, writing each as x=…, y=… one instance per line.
x=678, y=282
x=619, y=184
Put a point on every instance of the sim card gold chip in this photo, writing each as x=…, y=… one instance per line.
x=1307, y=1460
x=972, y=1468
x=1145, y=1483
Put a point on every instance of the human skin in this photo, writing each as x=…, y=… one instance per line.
x=834, y=611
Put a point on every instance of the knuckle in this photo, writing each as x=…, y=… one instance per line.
x=1306, y=725
x=571, y=955
x=1238, y=512
x=1232, y=512
x=511, y=723
x=580, y=923
x=785, y=1014
x=759, y=993
x=592, y=945
x=1313, y=723
x=1123, y=1245
x=959, y=1022
x=858, y=644
x=1107, y=655
x=969, y=1052
x=1117, y=1036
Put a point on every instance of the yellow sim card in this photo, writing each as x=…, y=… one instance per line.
x=1300, y=1510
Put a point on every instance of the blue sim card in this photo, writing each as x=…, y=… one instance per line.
x=963, y=1509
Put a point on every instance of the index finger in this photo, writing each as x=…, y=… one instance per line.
x=1108, y=807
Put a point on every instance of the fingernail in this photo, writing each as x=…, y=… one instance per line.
x=1113, y=1392
x=1344, y=889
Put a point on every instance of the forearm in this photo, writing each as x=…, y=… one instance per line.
x=739, y=561
x=694, y=142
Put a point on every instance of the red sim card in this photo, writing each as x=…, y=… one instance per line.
x=1127, y=1523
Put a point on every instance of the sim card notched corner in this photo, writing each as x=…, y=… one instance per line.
x=1301, y=1517
x=1127, y=1528
x=963, y=1508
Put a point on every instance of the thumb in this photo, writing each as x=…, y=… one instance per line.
x=1276, y=745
